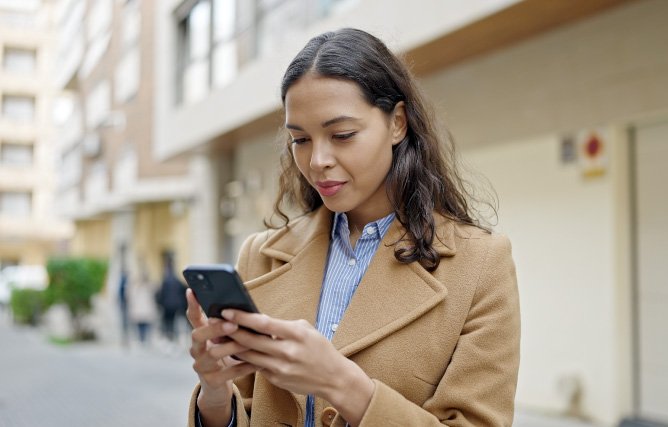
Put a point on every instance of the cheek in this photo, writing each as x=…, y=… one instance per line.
x=301, y=159
x=373, y=164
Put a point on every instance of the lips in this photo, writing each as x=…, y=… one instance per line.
x=329, y=188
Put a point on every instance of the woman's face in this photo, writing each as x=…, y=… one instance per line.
x=343, y=145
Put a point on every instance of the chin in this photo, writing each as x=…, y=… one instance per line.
x=336, y=207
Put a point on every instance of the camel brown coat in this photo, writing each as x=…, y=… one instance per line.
x=442, y=347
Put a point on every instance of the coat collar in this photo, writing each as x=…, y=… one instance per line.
x=288, y=242
x=390, y=295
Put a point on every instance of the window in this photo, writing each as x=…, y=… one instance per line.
x=195, y=29
x=16, y=154
x=98, y=32
x=98, y=104
x=19, y=60
x=15, y=203
x=71, y=166
x=218, y=37
x=18, y=107
x=131, y=26
x=127, y=76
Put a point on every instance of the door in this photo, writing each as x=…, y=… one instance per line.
x=651, y=266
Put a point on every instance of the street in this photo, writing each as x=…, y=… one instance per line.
x=91, y=384
x=43, y=384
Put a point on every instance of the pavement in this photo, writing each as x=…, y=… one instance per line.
x=89, y=384
x=92, y=384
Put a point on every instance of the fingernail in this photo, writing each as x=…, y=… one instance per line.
x=227, y=314
x=229, y=327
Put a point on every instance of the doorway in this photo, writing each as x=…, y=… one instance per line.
x=649, y=162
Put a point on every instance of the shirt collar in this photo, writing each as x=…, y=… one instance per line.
x=380, y=226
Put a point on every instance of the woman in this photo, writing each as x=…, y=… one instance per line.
x=142, y=309
x=384, y=304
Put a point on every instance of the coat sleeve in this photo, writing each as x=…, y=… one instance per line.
x=478, y=386
x=243, y=387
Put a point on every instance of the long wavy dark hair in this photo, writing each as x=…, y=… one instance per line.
x=423, y=177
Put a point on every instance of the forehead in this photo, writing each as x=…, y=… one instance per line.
x=320, y=98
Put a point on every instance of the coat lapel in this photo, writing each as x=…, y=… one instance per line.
x=390, y=295
x=293, y=290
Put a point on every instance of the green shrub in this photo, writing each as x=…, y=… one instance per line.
x=73, y=282
x=27, y=305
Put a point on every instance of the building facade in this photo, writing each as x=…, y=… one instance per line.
x=30, y=232
x=562, y=106
x=126, y=205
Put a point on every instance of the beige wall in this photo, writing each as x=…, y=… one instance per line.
x=509, y=111
x=158, y=228
x=256, y=168
x=613, y=66
x=562, y=228
x=32, y=239
x=92, y=238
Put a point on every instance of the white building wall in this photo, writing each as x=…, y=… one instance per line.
x=562, y=229
x=509, y=111
x=256, y=168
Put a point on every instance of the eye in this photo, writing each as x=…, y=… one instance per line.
x=344, y=136
x=299, y=141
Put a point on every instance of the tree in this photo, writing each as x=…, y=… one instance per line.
x=74, y=282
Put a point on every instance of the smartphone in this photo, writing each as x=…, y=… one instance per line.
x=218, y=286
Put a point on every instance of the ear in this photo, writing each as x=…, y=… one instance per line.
x=399, y=123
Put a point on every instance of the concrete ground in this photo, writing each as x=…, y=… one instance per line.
x=44, y=384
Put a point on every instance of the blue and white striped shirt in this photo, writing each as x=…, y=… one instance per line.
x=344, y=271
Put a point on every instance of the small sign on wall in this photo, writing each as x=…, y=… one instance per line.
x=592, y=147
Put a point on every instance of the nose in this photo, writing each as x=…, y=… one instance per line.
x=321, y=156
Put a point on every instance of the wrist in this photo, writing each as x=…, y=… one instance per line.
x=215, y=409
x=351, y=393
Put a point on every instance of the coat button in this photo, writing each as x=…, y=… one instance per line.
x=328, y=415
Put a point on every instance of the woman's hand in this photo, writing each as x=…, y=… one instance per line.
x=294, y=356
x=211, y=350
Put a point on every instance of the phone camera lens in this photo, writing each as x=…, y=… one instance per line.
x=200, y=277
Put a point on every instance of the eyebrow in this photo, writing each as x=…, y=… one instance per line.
x=325, y=123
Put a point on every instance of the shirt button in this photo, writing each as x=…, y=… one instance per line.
x=335, y=326
x=370, y=230
x=352, y=261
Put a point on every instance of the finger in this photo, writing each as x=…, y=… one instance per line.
x=218, y=360
x=228, y=348
x=212, y=331
x=284, y=329
x=220, y=377
x=194, y=313
x=215, y=357
x=264, y=344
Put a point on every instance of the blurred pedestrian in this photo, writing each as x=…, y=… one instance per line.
x=142, y=308
x=171, y=298
x=122, y=296
x=411, y=302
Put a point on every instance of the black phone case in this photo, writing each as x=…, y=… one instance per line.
x=218, y=286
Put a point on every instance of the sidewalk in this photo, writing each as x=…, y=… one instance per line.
x=43, y=384
x=527, y=419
